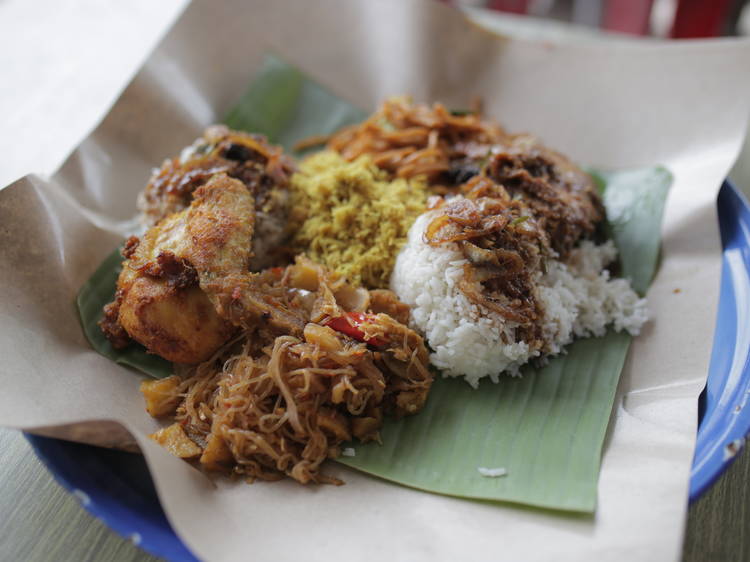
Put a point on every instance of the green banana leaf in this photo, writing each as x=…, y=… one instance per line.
x=545, y=429
x=636, y=199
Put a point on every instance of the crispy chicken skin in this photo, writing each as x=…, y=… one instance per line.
x=264, y=169
x=159, y=301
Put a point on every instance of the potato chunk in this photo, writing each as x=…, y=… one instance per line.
x=161, y=395
x=323, y=336
x=216, y=455
x=174, y=440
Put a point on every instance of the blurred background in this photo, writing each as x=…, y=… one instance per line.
x=674, y=19
x=66, y=61
x=594, y=20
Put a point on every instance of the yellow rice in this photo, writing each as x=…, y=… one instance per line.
x=352, y=218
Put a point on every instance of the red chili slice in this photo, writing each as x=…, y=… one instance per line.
x=349, y=325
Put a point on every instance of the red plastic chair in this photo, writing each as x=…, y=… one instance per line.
x=693, y=18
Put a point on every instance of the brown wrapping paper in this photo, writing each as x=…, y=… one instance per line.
x=609, y=104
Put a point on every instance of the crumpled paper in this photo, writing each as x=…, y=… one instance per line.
x=610, y=105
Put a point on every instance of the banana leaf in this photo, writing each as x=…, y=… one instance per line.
x=545, y=430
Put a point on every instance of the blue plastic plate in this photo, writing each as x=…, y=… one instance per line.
x=724, y=419
x=117, y=488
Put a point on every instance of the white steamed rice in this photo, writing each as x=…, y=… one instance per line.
x=578, y=297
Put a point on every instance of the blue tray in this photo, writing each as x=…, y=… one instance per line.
x=724, y=419
x=117, y=487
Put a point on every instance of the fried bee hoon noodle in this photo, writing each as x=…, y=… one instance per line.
x=275, y=401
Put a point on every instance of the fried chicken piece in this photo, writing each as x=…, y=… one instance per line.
x=179, y=325
x=159, y=302
x=263, y=169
